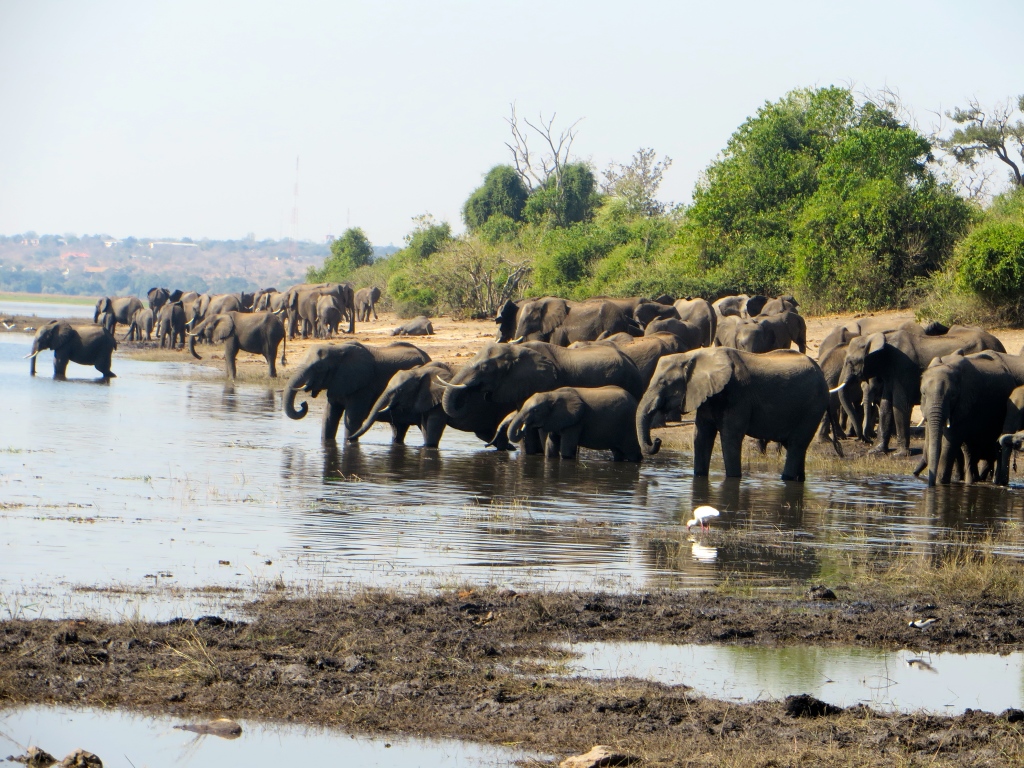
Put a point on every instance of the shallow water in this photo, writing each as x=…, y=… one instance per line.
x=46, y=309
x=123, y=739
x=127, y=497
x=946, y=683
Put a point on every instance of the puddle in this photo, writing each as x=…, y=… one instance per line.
x=123, y=739
x=904, y=681
x=126, y=498
x=46, y=309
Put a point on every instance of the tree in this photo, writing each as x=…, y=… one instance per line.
x=637, y=183
x=567, y=203
x=989, y=133
x=502, y=193
x=427, y=237
x=348, y=252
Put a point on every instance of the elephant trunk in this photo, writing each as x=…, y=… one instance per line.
x=454, y=401
x=645, y=413
x=32, y=357
x=519, y=422
x=502, y=435
x=843, y=391
x=295, y=383
x=191, y=345
x=936, y=423
x=1005, y=451
x=384, y=402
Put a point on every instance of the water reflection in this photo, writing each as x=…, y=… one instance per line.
x=168, y=469
x=903, y=681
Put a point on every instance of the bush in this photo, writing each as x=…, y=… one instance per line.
x=990, y=261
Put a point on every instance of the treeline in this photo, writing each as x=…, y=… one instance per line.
x=833, y=199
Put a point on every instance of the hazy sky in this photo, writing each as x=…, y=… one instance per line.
x=185, y=118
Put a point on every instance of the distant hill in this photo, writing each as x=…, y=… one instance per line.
x=98, y=265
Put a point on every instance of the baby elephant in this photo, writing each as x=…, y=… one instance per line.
x=601, y=418
x=419, y=326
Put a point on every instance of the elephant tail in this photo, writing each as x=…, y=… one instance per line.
x=284, y=348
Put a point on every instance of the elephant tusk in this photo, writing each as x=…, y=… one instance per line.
x=833, y=391
x=449, y=385
x=518, y=340
x=30, y=354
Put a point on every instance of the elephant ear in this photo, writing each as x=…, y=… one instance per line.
x=430, y=392
x=63, y=333
x=876, y=343
x=708, y=375
x=176, y=295
x=224, y=327
x=555, y=313
x=530, y=372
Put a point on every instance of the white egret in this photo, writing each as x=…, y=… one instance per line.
x=701, y=516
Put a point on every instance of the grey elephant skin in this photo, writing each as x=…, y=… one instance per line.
x=300, y=303
x=143, y=322
x=413, y=397
x=117, y=310
x=507, y=374
x=213, y=305
x=964, y=403
x=418, y=326
x=562, y=322
x=259, y=333
x=157, y=297
x=644, y=351
x=85, y=344
x=1013, y=425
x=763, y=334
x=170, y=325
x=778, y=396
x=366, y=303
x=329, y=315
x=897, y=359
x=353, y=375
x=599, y=418
x=700, y=313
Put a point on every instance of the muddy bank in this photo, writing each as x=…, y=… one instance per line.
x=478, y=665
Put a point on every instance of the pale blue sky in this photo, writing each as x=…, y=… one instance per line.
x=185, y=118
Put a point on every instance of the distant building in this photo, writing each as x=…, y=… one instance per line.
x=171, y=242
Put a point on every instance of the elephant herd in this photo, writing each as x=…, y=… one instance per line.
x=602, y=373
x=596, y=374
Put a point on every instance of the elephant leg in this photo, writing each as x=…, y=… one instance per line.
x=796, y=454
x=885, y=423
x=732, y=452
x=703, y=442
x=552, y=444
x=332, y=418
x=532, y=443
x=230, y=353
x=432, y=427
x=570, y=447
x=60, y=365
x=269, y=354
x=356, y=411
x=103, y=366
x=398, y=432
x=901, y=407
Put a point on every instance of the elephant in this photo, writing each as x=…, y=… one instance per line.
x=778, y=396
x=562, y=322
x=863, y=403
x=699, y=312
x=764, y=334
x=300, y=303
x=170, y=325
x=414, y=396
x=964, y=401
x=262, y=298
x=1009, y=443
x=644, y=351
x=86, y=345
x=122, y=308
x=740, y=305
x=354, y=375
x=328, y=316
x=213, y=305
x=600, y=418
x=648, y=311
x=257, y=332
x=898, y=359
x=366, y=302
x=143, y=321
x=777, y=306
x=507, y=374
x=842, y=334
x=691, y=336
x=273, y=301
x=160, y=296
x=1013, y=423
x=419, y=326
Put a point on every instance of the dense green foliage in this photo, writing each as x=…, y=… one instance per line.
x=348, y=252
x=503, y=193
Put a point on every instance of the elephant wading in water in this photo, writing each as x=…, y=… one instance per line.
x=778, y=396
x=86, y=345
x=414, y=397
x=353, y=376
x=507, y=374
x=257, y=332
x=600, y=418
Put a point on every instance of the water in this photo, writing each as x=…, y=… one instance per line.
x=169, y=492
x=121, y=739
x=944, y=683
x=46, y=309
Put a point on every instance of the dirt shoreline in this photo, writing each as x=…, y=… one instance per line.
x=478, y=664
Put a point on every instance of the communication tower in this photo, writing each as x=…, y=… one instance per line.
x=295, y=203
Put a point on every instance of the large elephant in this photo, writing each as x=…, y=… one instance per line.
x=764, y=334
x=644, y=351
x=353, y=375
x=418, y=326
x=414, y=396
x=777, y=306
x=964, y=403
x=508, y=374
x=143, y=322
x=262, y=298
x=690, y=336
x=562, y=322
x=648, y=311
x=206, y=305
x=600, y=418
x=170, y=325
x=897, y=359
x=366, y=303
x=778, y=396
x=121, y=308
x=160, y=296
x=739, y=305
x=85, y=344
x=328, y=316
x=699, y=312
x=259, y=333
